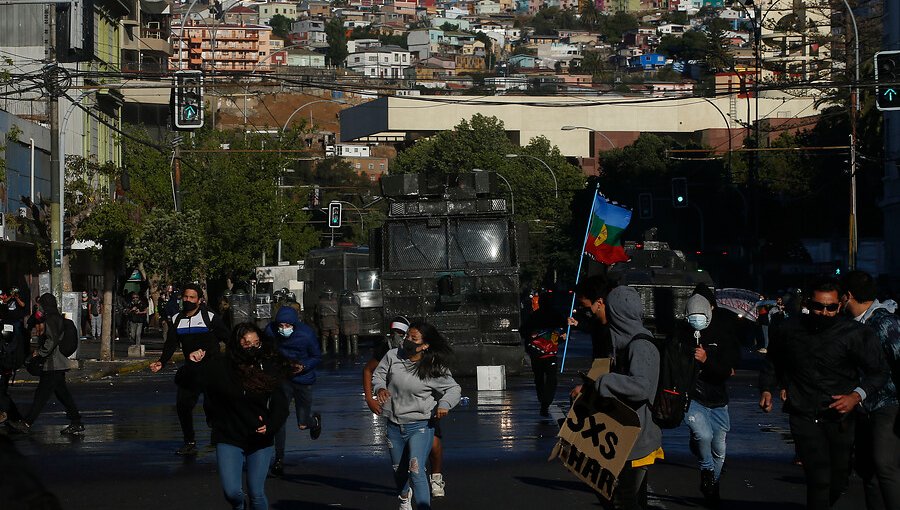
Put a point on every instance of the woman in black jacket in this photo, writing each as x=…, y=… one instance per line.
x=246, y=410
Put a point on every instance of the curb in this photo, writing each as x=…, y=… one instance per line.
x=123, y=369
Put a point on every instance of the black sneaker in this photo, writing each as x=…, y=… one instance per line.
x=189, y=448
x=278, y=467
x=75, y=429
x=316, y=429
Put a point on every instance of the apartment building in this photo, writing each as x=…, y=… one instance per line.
x=268, y=10
x=224, y=47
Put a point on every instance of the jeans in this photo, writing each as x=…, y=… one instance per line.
x=96, y=324
x=410, y=445
x=231, y=461
x=302, y=395
x=825, y=448
x=878, y=458
x=708, y=429
x=53, y=382
x=134, y=332
x=545, y=379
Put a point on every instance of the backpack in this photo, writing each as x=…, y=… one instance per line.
x=676, y=374
x=68, y=344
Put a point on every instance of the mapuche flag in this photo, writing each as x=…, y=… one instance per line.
x=604, y=242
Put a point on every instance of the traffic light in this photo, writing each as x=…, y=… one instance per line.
x=188, y=107
x=315, y=197
x=645, y=206
x=679, y=192
x=334, y=215
x=887, y=80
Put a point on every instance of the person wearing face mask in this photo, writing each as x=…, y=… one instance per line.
x=246, y=409
x=297, y=342
x=198, y=332
x=826, y=365
x=398, y=328
x=414, y=387
x=716, y=352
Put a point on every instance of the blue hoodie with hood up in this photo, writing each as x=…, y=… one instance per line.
x=302, y=346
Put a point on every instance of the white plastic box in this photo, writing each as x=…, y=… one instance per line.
x=491, y=378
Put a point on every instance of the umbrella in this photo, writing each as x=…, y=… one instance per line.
x=742, y=302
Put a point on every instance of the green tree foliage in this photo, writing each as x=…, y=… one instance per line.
x=449, y=27
x=692, y=45
x=281, y=25
x=613, y=27
x=171, y=246
x=548, y=20
x=337, y=41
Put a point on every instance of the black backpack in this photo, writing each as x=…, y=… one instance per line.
x=676, y=375
x=68, y=344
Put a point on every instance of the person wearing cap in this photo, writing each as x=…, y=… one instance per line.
x=398, y=329
x=716, y=353
x=298, y=343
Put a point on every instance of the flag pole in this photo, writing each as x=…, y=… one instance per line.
x=587, y=231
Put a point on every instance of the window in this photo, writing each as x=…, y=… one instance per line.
x=371, y=166
x=276, y=10
x=358, y=166
x=382, y=166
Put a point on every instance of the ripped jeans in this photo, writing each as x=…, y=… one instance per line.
x=410, y=445
x=709, y=426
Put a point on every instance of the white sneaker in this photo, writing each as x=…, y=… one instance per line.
x=437, y=485
x=406, y=503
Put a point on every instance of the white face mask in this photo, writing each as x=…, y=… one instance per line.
x=698, y=321
x=286, y=332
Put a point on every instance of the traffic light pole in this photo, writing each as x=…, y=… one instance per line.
x=56, y=182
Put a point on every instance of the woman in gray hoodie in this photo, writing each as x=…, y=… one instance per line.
x=413, y=385
x=633, y=380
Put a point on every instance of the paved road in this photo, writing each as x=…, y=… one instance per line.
x=496, y=450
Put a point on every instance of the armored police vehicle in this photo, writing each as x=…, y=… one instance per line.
x=448, y=254
x=343, y=271
x=664, y=278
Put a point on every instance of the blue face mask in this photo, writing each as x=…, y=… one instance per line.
x=286, y=332
x=698, y=321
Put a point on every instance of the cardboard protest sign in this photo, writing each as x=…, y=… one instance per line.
x=597, y=436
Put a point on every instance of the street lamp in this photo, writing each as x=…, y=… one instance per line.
x=572, y=128
x=512, y=198
x=555, y=182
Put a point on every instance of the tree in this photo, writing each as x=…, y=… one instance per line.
x=613, y=27
x=590, y=15
x=337, y=41
x=281, y=25
x=449, y=27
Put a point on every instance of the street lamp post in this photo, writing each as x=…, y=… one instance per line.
x=512, y=198
x=854, y=112
x=304, y=105
x=573, y=128
x=541, y=161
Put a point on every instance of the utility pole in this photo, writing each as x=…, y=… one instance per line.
x=57, y=201
x=176, y=182
x=853, y=235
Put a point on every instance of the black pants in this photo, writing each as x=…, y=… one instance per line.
x=545, y=379
x=631, y=489
x=6, y=403
x=825, y=449
x=53, y=382
x=185, y=400
x=878, y=457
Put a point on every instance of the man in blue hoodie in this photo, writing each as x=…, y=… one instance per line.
x=298, y=343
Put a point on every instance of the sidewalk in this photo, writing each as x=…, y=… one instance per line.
x=87, y=365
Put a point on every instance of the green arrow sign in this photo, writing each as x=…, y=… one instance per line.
x=889, y=94
x=190, y=113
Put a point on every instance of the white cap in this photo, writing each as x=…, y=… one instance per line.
x=400, y=324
